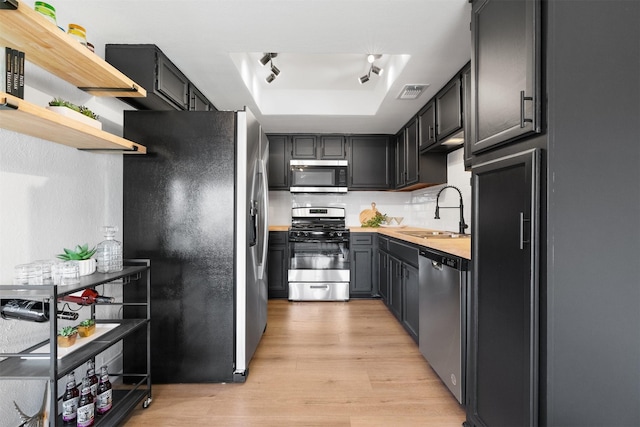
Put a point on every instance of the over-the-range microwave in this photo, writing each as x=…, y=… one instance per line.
x=318, y=176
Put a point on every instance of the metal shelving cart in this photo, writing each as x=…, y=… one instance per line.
x=44, y=362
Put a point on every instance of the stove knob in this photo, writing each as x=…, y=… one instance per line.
x=339, y=233
x=332, y=233
x=306, y=234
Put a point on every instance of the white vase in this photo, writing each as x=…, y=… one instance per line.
x=87, y=266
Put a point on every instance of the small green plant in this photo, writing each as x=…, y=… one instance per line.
x=87, y=322
x=375, y=221
x=59, y=102
x=67, y=331
x=79, y=253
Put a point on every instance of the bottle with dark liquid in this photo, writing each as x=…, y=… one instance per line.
x=87, y=297
x=35, y=311
x=86, y=406
x=70, y=401
x=105, y=393
x=93, y=378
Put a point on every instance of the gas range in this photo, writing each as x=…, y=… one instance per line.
x=318, y=255
x=318, y=223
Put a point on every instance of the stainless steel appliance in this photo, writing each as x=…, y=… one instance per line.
x=319, y=255
x=442, y=333
x=197, y=205
x=318, y=176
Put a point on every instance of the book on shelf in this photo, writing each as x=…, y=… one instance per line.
x=15, y=72
x=21, y=57
x=12, y=72
x=7, y=74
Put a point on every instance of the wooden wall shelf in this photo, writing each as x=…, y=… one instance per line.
x=57, y=52
x=21, y=116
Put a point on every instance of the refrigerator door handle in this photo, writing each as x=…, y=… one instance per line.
x=253, y=212
x=264, y=219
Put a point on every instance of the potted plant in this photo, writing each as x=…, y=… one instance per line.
x=82, y=254
x=76, y=112
x=67, y=336
x=87, y=327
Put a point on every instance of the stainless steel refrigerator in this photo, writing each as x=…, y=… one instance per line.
x=196, y=205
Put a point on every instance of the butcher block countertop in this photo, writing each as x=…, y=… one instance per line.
x=459, y=246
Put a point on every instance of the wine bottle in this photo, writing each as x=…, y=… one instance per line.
x=87, y=297
x=35, y=311
x=86, y=406
x=105, y=393
x=70, y=401
x=93, y=378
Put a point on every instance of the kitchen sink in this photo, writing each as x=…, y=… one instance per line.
x=424, y=234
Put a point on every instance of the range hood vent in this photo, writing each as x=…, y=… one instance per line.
x=410, y=92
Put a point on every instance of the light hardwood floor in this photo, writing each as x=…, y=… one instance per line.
x=319, y=364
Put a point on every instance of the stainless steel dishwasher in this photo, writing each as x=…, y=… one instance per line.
x=442, y=334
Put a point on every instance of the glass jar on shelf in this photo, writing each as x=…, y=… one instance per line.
x=109, y=252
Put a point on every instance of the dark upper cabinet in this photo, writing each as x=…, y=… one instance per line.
x=449, y=109
x=401, y=159
x=170, y=82
x=318, y=147
x=167, y=87
x=279, y=150
x=415, y=169
x=303, y=147
x=412, y=158
x=332, y=147
x=505, y=72
x=197, y=101
x=466, y=114
x=407, y=158
x=427, y=125
x=370, y=162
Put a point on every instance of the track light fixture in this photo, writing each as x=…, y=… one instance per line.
x=372, y=69
x=275, y=71
x=267, y=57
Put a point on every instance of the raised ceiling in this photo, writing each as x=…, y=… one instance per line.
x=321, y=44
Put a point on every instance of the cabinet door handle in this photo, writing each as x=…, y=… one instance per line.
x=523, y=98
x=522, y=238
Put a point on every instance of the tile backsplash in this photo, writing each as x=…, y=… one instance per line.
x=417, y=207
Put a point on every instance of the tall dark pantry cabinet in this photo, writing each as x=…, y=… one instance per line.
x=555, y=146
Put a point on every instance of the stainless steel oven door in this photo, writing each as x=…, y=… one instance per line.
x=319, y=270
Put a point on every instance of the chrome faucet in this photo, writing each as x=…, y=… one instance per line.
x=462, y=224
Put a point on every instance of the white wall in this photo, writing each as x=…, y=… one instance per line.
x=52, y=196
x=417, y=207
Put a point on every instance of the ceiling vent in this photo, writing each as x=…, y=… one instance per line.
x=410, y=92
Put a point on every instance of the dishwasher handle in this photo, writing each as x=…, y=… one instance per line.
x=436, y=265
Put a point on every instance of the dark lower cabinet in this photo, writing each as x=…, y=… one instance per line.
x=503, y=353
x=395, y=287
x=410, y=300
x=362, y=261
x=398, y=281
x=278, y=260
x=383, y=275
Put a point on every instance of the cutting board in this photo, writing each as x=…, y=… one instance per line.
x=368, y=214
